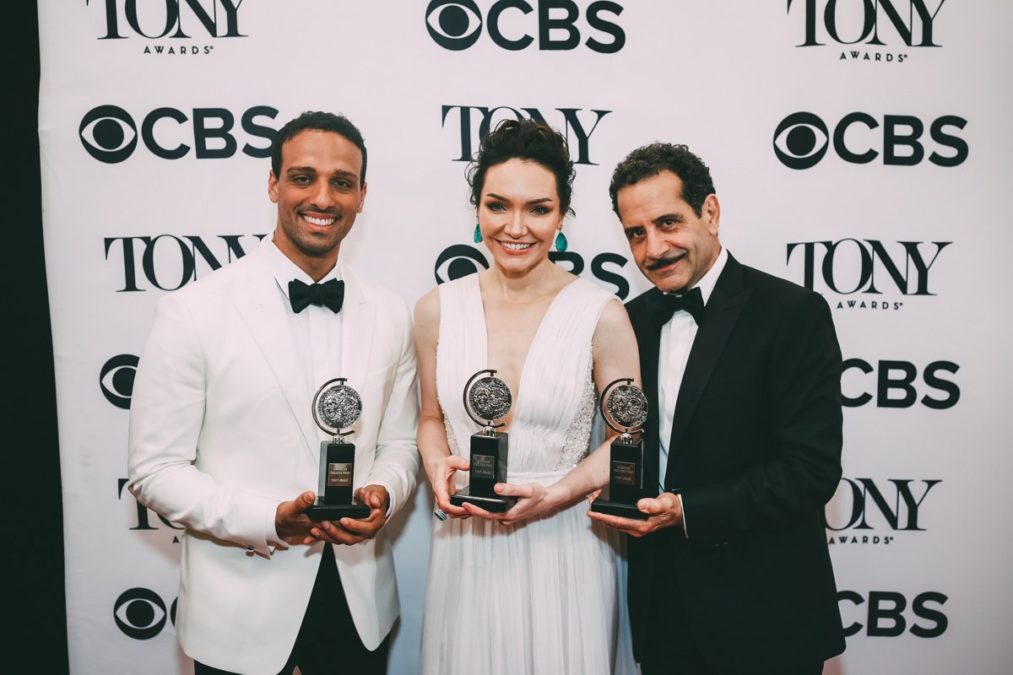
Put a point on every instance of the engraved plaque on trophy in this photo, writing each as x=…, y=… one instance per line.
x=336, y=407
x=624, y=409
x=486, y=399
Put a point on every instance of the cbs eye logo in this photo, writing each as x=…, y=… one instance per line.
x=454, y=24
x=555, y=25
x=801, y=140
x=108, y=133
x=117, y=379
x=458, y=261
x=141, y=614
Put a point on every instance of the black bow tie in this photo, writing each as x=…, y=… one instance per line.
x=328, y=294
x=663, y=306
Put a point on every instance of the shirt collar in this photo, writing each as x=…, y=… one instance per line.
x=709, y=280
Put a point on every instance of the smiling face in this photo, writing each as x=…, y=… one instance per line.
x=318, y=196
x=672, y=245
x=519, y=214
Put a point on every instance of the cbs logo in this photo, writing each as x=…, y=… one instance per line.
x=457, y=24
x=891, y=614
x=460, y=260
x=117, y=379
x=141, y=614
x=802, y=139
x=110, y=134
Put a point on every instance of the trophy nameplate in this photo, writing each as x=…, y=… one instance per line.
x=624, y=409
x=486, y=399
x=336, y=407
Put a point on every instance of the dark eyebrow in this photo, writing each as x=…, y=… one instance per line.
x=504, y=199
x=668, y=216
x=296, y=170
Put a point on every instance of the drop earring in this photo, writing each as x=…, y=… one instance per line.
x=478, y=234
x=561, y=242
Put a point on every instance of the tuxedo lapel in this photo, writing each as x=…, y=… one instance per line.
x=261, y=305
x=648, y=334
x=723, y=308
x=357, y=334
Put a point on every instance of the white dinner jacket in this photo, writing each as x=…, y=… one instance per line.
x=221, y=432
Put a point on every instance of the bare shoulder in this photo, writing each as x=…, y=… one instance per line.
x=427, y=311
x=614, y=318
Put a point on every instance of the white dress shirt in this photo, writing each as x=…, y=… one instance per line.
x=316, y=334
x=315, y=331
x=676, y=342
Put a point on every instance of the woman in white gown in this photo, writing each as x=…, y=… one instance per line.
x=535, y=589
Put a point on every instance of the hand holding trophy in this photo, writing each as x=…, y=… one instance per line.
x=487, y=399
x=336, y=407
x=624, y=409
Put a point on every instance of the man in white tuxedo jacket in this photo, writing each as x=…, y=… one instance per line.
x=223, y=441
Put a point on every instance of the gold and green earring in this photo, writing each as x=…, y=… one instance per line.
x=478, y=234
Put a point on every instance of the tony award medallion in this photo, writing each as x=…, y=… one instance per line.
x=624, y=408
x=336, y=406
x=486, y=399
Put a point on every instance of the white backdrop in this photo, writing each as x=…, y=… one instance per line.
x=906, y=238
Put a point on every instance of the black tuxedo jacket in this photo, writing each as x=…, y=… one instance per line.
x=756, y=454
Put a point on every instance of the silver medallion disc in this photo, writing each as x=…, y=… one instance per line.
x=625, y=406
x=489, y=397
x=336, y=406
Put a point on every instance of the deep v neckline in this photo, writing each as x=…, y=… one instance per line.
x=539, y=331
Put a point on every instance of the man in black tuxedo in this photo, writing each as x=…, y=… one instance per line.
x=730, y=571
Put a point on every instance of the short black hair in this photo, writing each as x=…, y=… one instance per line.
x=527, y=140
x=318, y=121
x=650, y=160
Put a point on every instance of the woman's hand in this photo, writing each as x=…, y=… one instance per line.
x=441, y=477
x=533, y=500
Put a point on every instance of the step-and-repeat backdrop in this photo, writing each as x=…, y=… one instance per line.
x=861, y=148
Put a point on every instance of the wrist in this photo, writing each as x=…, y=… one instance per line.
x=556, y=495
x=432, y=468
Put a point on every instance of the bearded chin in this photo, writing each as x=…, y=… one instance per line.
x=314, y=247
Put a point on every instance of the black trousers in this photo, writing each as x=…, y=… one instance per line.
x=327, y=642
x=672, y=649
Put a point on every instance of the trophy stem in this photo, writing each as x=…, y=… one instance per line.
x=626, y=438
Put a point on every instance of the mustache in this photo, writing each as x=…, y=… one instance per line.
x=665, y=262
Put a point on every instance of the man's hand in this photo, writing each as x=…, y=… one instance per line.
x=665, y=510
x=291, y=522
x=350, y=530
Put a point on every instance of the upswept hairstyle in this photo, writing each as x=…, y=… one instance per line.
x=527, y=140
x=650, y=160
x=318, y=121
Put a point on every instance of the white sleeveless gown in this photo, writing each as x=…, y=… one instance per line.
x=544, y=596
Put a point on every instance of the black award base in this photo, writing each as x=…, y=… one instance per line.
x=335, y=496
x=488, y=467
x=620, y=509
x=491, y=503
x=323, y=511
x=626, y=476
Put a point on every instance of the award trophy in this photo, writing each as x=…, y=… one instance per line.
x=486, y=399
x=624, y=408
x=336, y=406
